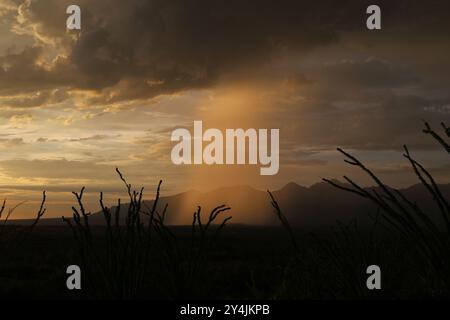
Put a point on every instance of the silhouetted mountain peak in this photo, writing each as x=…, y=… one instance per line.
x=292, y=187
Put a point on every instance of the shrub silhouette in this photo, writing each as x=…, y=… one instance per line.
x=11, y=236
x=350, y=251
x=407, y=217
x=13, y=240
x=143, y=253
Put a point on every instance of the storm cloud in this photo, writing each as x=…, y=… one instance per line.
x=141, y=49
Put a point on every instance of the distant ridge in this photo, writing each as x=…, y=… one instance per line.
x=317, y=205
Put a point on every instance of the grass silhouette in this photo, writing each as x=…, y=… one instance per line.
x=11, y=237
x=407, y=217
x=349, y=251
x=143, y=253
x=13, y=240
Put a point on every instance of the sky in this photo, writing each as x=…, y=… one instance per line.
x=74, y=105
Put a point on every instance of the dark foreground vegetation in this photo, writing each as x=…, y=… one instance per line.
x=144, y=258
x=246, y=263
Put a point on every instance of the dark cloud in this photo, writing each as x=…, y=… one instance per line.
x=388, y=124
x=370, y=73
x=35, y=99
x=19, y=72
x=137, y=49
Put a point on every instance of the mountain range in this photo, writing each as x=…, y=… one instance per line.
x=318, y=205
